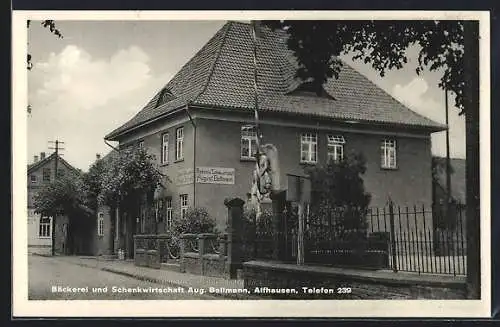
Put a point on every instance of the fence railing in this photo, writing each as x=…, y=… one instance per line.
x=419, y=242
x=411, y=239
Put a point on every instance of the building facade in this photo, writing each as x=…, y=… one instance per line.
x=201, y=127
x=40, y=229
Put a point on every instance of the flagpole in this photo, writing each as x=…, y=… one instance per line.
x=255, y=79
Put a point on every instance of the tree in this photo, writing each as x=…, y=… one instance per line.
x=64, y=196
x=450, y=46
x=338, y=192
x=127, y=178
x=51, y=26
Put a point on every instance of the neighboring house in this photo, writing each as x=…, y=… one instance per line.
x=40, y=173
x=102, y=235
x=202, y=121
x=458, y=191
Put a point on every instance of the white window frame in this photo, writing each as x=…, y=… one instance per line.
x=310, y=141
x=100, y=224
x=164, y=148
x=388, y=152
x=33, y=179
x=141, y=144
x=169, y=215
x=335, y=147
x=44, y=227
x=184, y=204
x=248, y=139
x=179, y=143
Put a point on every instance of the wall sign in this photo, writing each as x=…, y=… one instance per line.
x=214, y=175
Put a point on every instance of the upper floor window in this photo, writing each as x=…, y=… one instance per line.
x=164, y=148
x=33, y=179
x=179, y=143
x=388, y=153
x=335, y=147
x=44, y=227
x=141, y=144
x=184, y=204
x=248, y=142
x=309, y=147
x=168, y=205
x=100, y=224
x=46, y=174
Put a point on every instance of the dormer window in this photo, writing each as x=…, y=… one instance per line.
x=165, y=96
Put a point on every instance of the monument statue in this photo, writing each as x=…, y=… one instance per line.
x=265, y=176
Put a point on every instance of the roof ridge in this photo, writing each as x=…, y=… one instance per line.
x=216, y=59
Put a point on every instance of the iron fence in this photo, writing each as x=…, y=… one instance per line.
x=411, y=239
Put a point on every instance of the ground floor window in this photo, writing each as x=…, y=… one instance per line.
x=100, y=224
x=44, y=229
x=169, y=212
x=184, y=204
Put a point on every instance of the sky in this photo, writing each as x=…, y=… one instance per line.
x=101, y=73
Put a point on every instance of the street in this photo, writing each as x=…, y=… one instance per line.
x=53, y=279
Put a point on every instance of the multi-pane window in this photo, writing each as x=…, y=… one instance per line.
x=44, y=227
x=248, y=142
x=179, y=143
x=335, y=147
x=184, y=204
x=168, y=205
x=309, y=147
x=164, y=148
x=388, y=153
x=33, y=179
x=100, y=224
x=46, y=174
x=60, y=173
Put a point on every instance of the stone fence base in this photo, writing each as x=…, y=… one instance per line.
x=289, y=281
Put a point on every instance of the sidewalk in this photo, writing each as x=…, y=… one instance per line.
x=159, y=276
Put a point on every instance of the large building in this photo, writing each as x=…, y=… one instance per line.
x=42, y=171
x=201, y=122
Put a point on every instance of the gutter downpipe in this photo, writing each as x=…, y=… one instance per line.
x=194, y=152
x=116, y=247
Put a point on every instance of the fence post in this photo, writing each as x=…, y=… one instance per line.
x=393, y=236
x=234, y=235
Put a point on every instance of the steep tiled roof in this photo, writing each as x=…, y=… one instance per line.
x=34, y=166
x=221, y=74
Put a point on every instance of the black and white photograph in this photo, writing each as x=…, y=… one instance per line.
x=304, y=160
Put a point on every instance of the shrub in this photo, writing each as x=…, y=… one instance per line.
x=195, y=221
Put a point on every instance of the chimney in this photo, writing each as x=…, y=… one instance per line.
x=35, y=159
x=97, y=156
x=42, y=155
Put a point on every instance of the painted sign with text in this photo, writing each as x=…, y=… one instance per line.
x=214, y=175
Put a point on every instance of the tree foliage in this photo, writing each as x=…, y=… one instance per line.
x=338, y=195
x=127, y=177
x=65, y=195
x=47, y=24
x=317, y=46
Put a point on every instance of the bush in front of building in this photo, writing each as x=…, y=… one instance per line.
x=339, y=199
x=195, y=221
